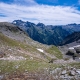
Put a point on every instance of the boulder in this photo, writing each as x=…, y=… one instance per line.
x=52, y=60
x=77, y=49
x=78, y=71
x=72, y=73
x=2, y=54
x=71, y=52
x=64, y=72
x=1, y=77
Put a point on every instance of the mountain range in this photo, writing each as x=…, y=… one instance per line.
x=47, y=34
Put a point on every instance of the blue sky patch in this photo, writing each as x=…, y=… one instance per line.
x=2, y=15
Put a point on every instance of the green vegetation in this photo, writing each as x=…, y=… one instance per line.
x=8, y=41
x=31, y=65
x=55, y=51
x=44, y=34
x=28, y=65
x=76, y=65
x=14, y=43
x=24, y=65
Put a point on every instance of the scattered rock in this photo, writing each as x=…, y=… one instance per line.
x=56, y=74
x=52, y=60
x=64, y=77
x=69, y=73
x=31, y=58
x=78, y=71
x=1, y=77
x=77, y=49
x=74, y=69
x=71, y=52
x=2, y=54
x=72, y=73
x=17, y=66
x=64, y=72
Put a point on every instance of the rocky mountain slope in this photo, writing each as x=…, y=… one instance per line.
x=15, y=44
x=22, y=58
x=12, y=35
x=71, y=45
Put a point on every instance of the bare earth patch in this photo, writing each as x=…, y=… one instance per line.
x=13, y=58
x=61, y=61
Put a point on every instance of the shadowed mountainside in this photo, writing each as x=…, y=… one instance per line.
x=72, y=38
x=44, y=34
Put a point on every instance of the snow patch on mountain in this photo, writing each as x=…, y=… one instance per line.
x=41, y=50
x=74, y=47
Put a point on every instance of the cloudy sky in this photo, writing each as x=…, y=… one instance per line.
x=49, y=12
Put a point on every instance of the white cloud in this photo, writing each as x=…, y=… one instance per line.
x=40, y=13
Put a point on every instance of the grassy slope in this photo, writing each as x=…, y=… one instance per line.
x=30, y=65
x=10, y=42
x=55, y=51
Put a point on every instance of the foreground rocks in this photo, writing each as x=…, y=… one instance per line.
x=2, y=54
x=64, y=73
x=68, y=73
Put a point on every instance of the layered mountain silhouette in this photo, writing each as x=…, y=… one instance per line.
x=47, y=34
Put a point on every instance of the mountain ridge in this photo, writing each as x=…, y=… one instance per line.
x=46, y=34
x=72, y=38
